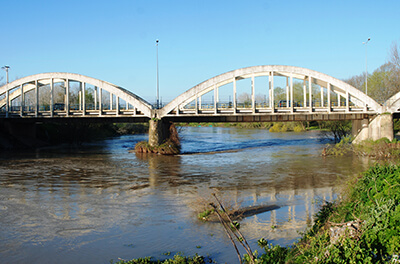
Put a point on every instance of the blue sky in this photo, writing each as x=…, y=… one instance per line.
x=115, y=40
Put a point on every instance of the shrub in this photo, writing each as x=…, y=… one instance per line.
x=178, y=259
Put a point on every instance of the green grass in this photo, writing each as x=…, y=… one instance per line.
x=177, y=259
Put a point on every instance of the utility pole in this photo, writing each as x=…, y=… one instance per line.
x=158, y=87
x=6, y=69
x=366, y=66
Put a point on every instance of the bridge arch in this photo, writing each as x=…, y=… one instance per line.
x=347, y=98
x=23, y=97
x=392, y=105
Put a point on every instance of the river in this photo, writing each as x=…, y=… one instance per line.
x=98, y=202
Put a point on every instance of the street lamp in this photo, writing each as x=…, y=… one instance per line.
x=6, y=69
x=158, y=88
x=366, y=67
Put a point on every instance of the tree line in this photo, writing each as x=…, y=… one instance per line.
x=384, y=82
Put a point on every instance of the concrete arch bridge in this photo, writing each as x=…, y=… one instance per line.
x=253, y=94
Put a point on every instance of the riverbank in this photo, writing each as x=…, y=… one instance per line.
x=380, y=149
x=270, y=126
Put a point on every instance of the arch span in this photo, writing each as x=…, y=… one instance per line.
x=334, y=95
x=77, y=95
x=392, y=105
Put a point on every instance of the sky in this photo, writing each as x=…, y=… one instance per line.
x=115, y=41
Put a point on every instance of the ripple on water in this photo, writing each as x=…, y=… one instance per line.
x=86, y=204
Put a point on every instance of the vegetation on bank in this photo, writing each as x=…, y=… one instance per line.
x=177, y=259
x=382, y=148
x=338, y=128
x=271, y=126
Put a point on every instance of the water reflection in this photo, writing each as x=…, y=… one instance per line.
x=100, y=202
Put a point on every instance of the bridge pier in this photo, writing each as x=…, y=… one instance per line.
x=374, y=128
x=158, y=132
x=163, y=137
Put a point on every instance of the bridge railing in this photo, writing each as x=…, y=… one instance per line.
x=265, y=105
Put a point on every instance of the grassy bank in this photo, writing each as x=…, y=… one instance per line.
x=177, y=259
x=381, y=149
x=271, y=126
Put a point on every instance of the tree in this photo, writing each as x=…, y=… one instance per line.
x=394, y=55
x=384, y=82
x=357, y=81
x=380, y=84
x=244, y=98
x=279, y=94
x=394, y=59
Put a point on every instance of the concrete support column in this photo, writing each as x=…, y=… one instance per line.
x=36, y=98
x=328, y=91
x=95, y=98
x=83, y=98
x=7, y=102
x=22, y=100
x=157, y=132
x=100, y=101
x=67, y=97
x=117, y=105
x=253, y=96
x=322, y=96
x=215, y=99
x=304, y=93
x=234, y=96
x=380, y=126
x=196, y=105
x=310, y=93
x=51, y=97
x=163, y=138
x=291, y=93
x=287, y=92
x=271, y=91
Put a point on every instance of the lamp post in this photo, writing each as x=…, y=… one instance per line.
x=158, y=88
x=6, y=69
x=366, y=66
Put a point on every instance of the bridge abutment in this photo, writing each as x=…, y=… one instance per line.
x=374, y=128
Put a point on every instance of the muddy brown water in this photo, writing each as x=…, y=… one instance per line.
x=98, y=203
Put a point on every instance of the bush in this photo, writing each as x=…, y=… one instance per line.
x=339, y=149
x=178, y=259
x=381, y=148
x=287, y=126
